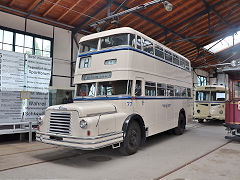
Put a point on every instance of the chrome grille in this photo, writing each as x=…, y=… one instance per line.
x=60, y=122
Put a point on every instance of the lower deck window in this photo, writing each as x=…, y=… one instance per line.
x=150, y=89
x=87, y=89
x=170, y=90
x=203, y=95
x=161, y=89
x=122, y=87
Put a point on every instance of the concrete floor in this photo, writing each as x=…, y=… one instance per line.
x=195, y=155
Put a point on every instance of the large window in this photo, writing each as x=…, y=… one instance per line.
x=203, y=95
x=147, y=46
x=25, y=43
x=150, y=89
x=218, y=95
x=201, y=81
x=114, y=40
x=87, y=89
x=90, y=45
x=122, y=87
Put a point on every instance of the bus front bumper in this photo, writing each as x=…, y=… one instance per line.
x=88, y=143
x=209, y=117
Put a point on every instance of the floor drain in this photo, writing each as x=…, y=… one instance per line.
x=99, y=158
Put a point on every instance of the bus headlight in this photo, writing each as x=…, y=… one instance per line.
x=198, y=111
x=83, y=123
x=221, y=112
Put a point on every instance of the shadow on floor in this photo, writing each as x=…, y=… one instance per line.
x=86, y=159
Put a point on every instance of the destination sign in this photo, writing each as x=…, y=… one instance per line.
x=104, y=75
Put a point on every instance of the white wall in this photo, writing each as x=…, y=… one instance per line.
x=62, y=46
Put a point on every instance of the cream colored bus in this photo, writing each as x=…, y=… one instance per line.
x=128, y=87
x=209, y=103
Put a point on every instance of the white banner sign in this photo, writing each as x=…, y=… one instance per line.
x=12, y=71
x=36, y=106
x=38, y=73
x=10, y=107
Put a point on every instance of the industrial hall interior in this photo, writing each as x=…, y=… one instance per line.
x=120, y=89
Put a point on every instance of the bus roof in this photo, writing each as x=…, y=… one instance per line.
x=125, y=30
x=210, y=88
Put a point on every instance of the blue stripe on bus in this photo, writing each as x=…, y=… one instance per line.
x=209, y=102
x=126, y=97
x=133, y=49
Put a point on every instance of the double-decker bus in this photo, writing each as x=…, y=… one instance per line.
x=128, y=87
x=232, y=81
x=209, y=103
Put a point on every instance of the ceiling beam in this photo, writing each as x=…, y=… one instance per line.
x=114, y=12
x=79, y=27
x=71, y=8
x=50, y=9
x=216, y=13
x=33, y=7
x=37, y=18
x=159, y=25
x=195, y=16
x=85, y=10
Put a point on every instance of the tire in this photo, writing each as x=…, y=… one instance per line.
x=200, y=120
x=179, y=130
x=132, y=140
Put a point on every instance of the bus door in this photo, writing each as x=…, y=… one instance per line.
x=233, y=102
x=138, y=96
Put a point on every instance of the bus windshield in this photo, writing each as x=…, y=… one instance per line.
x=109, y=88
x=121, y=87
x=203, y=95
x=86, y=89
x=218, y=95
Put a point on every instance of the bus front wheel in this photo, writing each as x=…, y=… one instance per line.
x=179, y=130
x=132, y=139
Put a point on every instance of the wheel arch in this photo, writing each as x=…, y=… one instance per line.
x=139, y=120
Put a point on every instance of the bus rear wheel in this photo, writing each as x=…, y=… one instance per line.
x=200, y=120
x=132, y=139
x=179, y=130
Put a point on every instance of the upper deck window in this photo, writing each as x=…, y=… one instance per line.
x=187, y=65
x=139, y=44
x=159, y=52
x=114, y=40
x=168, y=55
x=175, y=59
x=90, y=45
x=182, y=62
x=147, y=46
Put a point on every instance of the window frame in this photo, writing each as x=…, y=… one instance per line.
x=14, y=31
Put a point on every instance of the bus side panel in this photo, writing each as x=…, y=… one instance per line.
x=232, y=113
